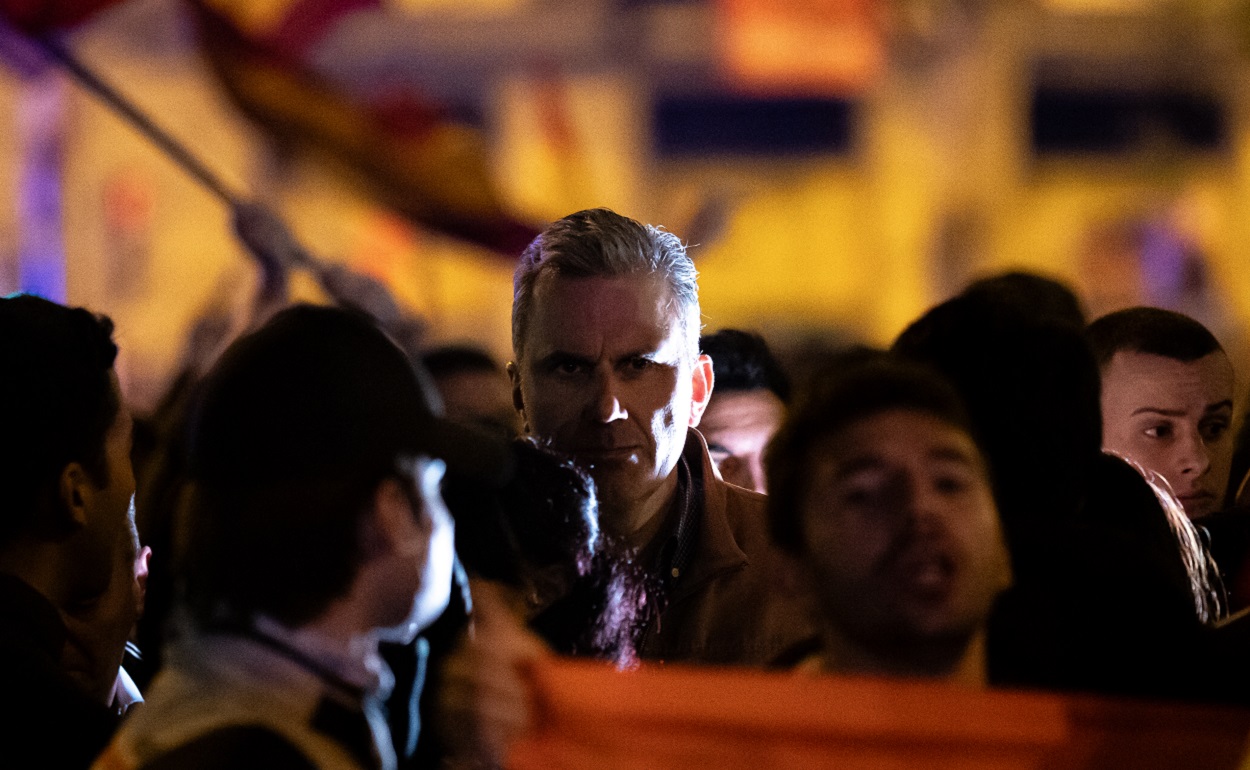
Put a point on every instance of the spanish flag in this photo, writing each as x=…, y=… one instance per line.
x=412, y=155
x=38, y=17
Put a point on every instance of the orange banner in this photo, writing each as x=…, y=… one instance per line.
x=679, y=718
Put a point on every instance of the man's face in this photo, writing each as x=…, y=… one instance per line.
x=606, y=376
x=103, y=511
x=100, y=618
x=97, y=629
x=900, y=531
x=1173, y=417
x=738, y=426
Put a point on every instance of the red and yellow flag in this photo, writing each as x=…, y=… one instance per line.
x=413, y=156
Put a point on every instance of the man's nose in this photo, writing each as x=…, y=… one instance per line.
x=606, y=405
x=1194, y=457
x=922, y=504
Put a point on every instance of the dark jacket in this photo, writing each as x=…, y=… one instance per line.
x=48, y=721
x=731, y=607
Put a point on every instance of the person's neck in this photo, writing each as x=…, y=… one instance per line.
x=638, y=522
x=962, y=663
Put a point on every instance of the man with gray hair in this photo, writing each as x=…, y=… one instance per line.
x=605, y=332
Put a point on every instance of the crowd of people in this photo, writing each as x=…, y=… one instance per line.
x=338, y=550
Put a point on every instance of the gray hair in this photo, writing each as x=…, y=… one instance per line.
x=601, y=243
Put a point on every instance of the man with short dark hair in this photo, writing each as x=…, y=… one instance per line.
x=605, y=331
x=315, y=529
x=68, y=488
x=1167, y=400
x=883, y=499
x=474, y=387
x=742, y=415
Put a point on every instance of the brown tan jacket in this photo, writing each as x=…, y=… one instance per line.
x=732, y=607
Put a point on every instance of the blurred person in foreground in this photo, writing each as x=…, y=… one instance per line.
x=883, y=499
x=539, y=541
x=313, y=529
x=69, y=489
x=1167, y=401
x=545, y=578
x=746, y=407
x=605, y=333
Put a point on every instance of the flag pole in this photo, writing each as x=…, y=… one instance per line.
x=177, y=151
x=260, y=228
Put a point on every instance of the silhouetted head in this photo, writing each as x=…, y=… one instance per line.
x=311, y=436
x=1030, y=294
x=1032, y=392
x=539, y=536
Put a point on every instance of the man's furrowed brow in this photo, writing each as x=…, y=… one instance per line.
x=1218, y=406
x=649, y=353
x=563, y=357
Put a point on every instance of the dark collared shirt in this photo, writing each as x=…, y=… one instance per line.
x=668, y=555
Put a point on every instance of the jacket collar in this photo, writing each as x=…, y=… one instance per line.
x=717, y=550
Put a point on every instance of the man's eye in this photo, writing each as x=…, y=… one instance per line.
x=1159, y=431
x=568, y=367
x=863, y=495
x=1213, y=431
x=950, y=485
x=639, y=364
x=858, y=497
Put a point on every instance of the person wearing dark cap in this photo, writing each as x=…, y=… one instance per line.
x=68, y=489
x=313, y=529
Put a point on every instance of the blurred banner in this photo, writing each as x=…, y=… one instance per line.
x=678, y=718
x=813, y=47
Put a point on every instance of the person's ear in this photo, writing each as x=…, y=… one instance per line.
x=76, y=492
x=702, y=379
x=143, y=563
x=518, y=402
